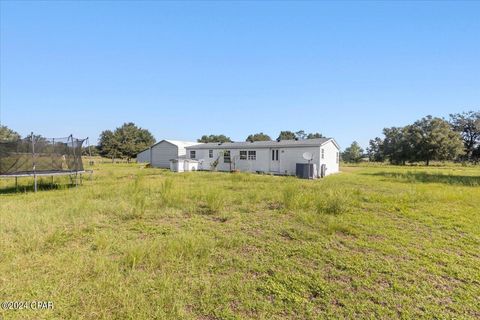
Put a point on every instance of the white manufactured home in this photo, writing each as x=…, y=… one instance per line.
x=277, y=157
x=160, y=154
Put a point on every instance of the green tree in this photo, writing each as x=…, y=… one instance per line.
x=468, y=125
x=315, y=135
x=8, y=134
x=300, y=135
x=132, y=140
x=286, y=135
x=432, y=138
x=375, y=150
x=427, y=139
x=396, y=147
x=125, y=142
x=353, y=153
x=108, y=145
x=258, y=137
x=214, y=138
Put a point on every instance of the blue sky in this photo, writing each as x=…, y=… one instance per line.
x=183, y=69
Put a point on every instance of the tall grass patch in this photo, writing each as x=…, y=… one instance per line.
x=166, y=192
x=214, y=201
x=139, y=196
x=290, y=195
x=333, y=202
x=171, y=251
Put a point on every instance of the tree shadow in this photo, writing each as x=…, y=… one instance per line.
x=426, y=177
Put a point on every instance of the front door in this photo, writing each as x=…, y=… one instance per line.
x=275, y=160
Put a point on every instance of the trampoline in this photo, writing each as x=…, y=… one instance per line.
x=37, y=156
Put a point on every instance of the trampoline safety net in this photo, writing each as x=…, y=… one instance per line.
x=39, y=155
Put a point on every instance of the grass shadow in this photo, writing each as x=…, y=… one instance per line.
x=425, y=177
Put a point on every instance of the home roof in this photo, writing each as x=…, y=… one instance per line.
x=264, y=144
x=178, y=143
x=182, y=144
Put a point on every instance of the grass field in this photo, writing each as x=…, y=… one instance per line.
x=134, y=243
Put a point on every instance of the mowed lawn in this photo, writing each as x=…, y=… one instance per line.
x=136, y=243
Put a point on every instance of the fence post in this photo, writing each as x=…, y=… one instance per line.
x=74, y=161
x=34, y=168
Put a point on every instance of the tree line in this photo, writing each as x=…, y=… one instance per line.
x=427, y=139
x=283, y=135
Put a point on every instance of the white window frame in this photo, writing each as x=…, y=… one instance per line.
x=210, y=153
x=252, y=155
x=243, y=154
x=338, y=157
x=322, y=151
x=225, y=157
x=194, y=153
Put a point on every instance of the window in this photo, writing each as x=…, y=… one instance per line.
x=323, y=153
x=252, y=155
x=226, y=156
x=338, y=157
x=192, y=154
x=274, y=155
x=210, y=153
x=243, y=155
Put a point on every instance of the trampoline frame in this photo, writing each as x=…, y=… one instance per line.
x=35, y=174
x=75, y=180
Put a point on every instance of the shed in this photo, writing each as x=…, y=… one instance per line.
x=159, y=154
x=144, y=156
x=183, y=165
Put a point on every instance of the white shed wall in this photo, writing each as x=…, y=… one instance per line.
x=183, y=165
x=162, y=153
x=144, y=156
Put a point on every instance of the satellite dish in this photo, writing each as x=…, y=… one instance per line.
x=307, y=156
